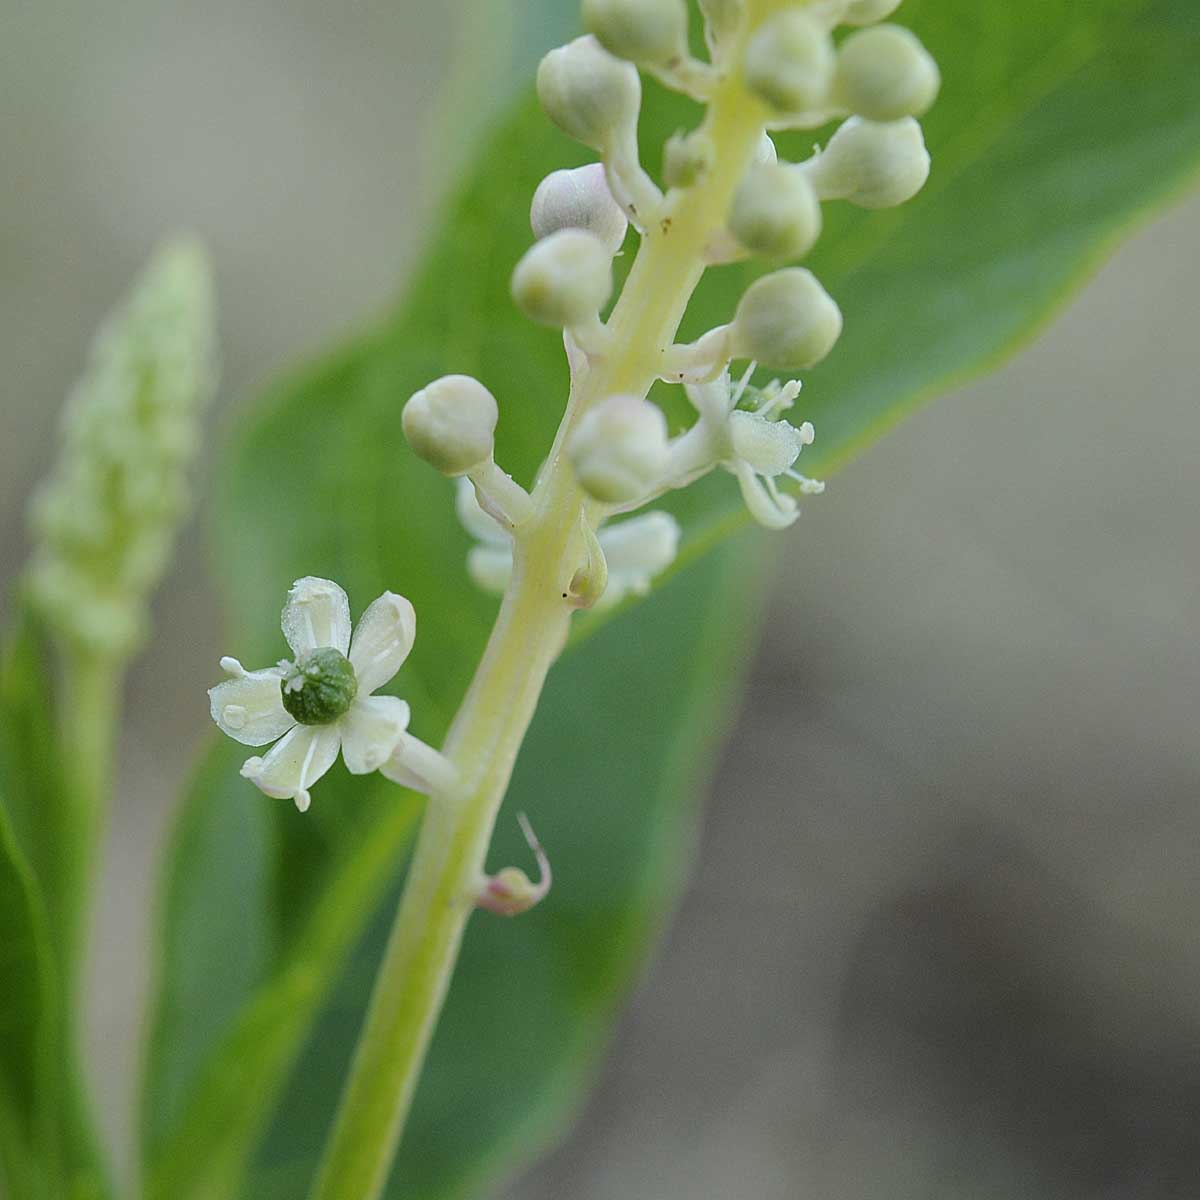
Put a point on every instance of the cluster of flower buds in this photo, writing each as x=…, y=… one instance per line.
x=105, y=519
x=790, y=67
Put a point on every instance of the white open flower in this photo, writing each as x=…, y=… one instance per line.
x=321, y=701
x=741, y=429
x=636, y=549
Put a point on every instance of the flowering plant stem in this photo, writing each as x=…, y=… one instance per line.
x=530, y=630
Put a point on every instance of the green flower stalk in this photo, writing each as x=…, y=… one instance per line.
x=555, y=549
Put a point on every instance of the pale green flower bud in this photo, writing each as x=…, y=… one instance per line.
x=619, y=449
x=578, y=199
x=776, y=212
x=644, y=31
x=872, y=165
x=451, y=423
x=564, y=279
x=785, y=321
x=587, y=93
x=105, y=519
x=885, y=73
x=867, y=12
x=687, y=158
x=789, y=62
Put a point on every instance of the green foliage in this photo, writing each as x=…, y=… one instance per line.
x=45, y=1145
x=1058, y=124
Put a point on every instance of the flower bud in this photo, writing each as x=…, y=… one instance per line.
x=587, y=92
x=564, y=279
x=451, y=423
x=687, y=158
x=765, y=151
x=643, y=31
x=885, y=73
x=873, y=165
x=785, y=321
x=867, y=12
x=789, y=62
x=578, y=199
x=776, y=212
x=619, y=449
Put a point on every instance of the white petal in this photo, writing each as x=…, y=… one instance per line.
x=382, y=640
x=490, y=567
x=370, y=731
x=474, y=520
x=767, y=506
x=295, y=763
x=249, y=707
x=317, y=614
x=770, y=447
x=646, y=544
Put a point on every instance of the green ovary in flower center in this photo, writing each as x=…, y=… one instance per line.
x=320, y=687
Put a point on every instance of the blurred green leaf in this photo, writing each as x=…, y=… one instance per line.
x=46, y=1146
x=27, y=1154
x=1057, y=126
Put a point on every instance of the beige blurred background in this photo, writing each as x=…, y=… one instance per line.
x=945, y=940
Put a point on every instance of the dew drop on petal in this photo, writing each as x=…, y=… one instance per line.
x=234, y=716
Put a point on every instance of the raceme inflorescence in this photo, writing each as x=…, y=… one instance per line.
x=569, y=542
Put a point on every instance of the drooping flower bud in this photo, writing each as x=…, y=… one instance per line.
x=884, y=74
x=789, y=62
x=565, y=279
x=619, y=449
x=687, y=158
x=451, y=423
x=587, y=93
x=785, y=321
x=578, y=199
x=867, y=12
x=776, y=212
x=653, y=32
x=872, y=165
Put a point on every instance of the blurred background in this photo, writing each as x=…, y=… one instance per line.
x=944, y=938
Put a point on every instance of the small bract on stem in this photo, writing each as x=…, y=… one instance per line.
x=725, y=196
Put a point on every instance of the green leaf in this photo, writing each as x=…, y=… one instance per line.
x=46, y=1146
x=1058, y=125
x=27, y=1151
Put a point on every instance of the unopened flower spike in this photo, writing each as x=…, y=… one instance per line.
x=510, y=891
x=321, y=700
x=635, y=550
x=105, y=520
